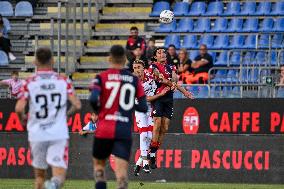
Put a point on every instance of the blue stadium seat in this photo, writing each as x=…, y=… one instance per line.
x=203, y=92
x=193, y=54
x=3, y=58
x=166, y=28
x=253, y=75
x=6, y=8
x=248, y=8
x=235, y=59
x=278, y=9
x=190, y=42
x=220, y=76
x=181, y=8
x=213, y=54
x=159, y=7
x=207, y=40
x=273, y=58
x=263, y=8
x=263, y=41
x=232, y=76
x=233, y=8
x=237, y=42
x=244, y=75
x=266, y=25
x=220, y=25
x=221, y=41
x=251, y=25
x=281, y=57
x=277, y=40
x=216, y=92
x=215, y=8
x=260, y=58
x=202, y=25
x=250, y=42
x=280, y=92
x=7, y=24
x=24, y=8
x=236, y=92
x=235, y=25
x=197, y=8
x=222, y=59
x=279, y=25
x=172, y=39
x=248, y=58
x=185, y=25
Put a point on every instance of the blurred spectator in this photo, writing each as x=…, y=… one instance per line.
x=150, y=48
x=5, y=43
x=174, y=60
x=137, y=52
x=201, y=65
x=14, y=83
x=184, y=68
x=134, y=41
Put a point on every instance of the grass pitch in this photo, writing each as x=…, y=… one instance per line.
x=88, y=184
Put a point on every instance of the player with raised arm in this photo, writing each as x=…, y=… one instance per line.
x=145, y=120
x=47, y=94
x=113, y=98
x=163, y=107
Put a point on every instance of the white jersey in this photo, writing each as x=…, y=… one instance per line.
x=47, y=93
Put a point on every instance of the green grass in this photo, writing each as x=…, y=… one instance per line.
x=87, y=184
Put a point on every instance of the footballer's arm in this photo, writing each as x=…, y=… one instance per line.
x=20, y=109
x=75, y=104
x=155, y=97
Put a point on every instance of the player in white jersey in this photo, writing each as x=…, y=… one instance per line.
x=47, y=94
x=145, y=120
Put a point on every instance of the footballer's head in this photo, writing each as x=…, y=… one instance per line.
x=15, y=75
x=138, y=68
x=44, y=57
x=134, y=32
x=160, y=55
x=117, y=55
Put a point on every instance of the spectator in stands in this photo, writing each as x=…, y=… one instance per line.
x=138, y=55
x=5, y=43
x=201, y=65
x=174, y=60
x=184, y=68
x=150, y=48
x=134, y=41
x=14, y=84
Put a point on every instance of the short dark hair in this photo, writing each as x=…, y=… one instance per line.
x=139, y=62
x=134, y=28
x=118, y=54
x=152, y=39
x=203, y=45
x=172, y=45
x=155, y=52
x=43, y=55
x=14, y=73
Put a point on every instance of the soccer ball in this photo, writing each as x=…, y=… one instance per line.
x=166, y=16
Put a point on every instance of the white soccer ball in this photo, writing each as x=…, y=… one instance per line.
x=166, y=16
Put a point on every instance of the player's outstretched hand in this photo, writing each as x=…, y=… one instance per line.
x=82, y=132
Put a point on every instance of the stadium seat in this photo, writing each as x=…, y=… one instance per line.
x=213, y=54
x=181, y=8
x=221, y=41
x=263, y=41
x=235, y=25
x=172, y=39
x=248, y=58
x=7, y=24
x=278, y=9
x=3, y=58
x=6, y=8
x=280, y=92
x=203, y=92
x=233, y=8
x=237, y=42
x=279, y=25
x=159, y=7
x=220, y=76
x=266, y=25
x=24, y=8
x=190, y=42
x=166, y=28
x=197, y=8
x=244, y=75
x=273, y=58
x=207, y=40
x=193, y=54
x=253, y=76
x=220, y=25
x=222, y=59
x=250, y=42
x=248, y=8
x=185, y=25
x=260, y=58
x=263, y=8
x=250, y=25
x=215, y=8
x=277, y=41
x=232, y=76
x=202, y=25
x=216, y=92
x=235, y=59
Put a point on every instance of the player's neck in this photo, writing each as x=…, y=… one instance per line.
x=117, y=66
x=44, y=68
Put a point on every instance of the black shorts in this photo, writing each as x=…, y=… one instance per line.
x=163, y=107
x=121, y=148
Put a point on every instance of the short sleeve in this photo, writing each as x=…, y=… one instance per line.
x=7, y=81
x=139, y=89
x=70, y=88
x=188, y=62
x=24, y=91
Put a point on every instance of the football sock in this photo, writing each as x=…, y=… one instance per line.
x=57, y=181
x=145, y=162
x=101, y=185
x=139, y=161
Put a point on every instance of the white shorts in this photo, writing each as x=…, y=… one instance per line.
x=144, y=119
x=53, y=153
